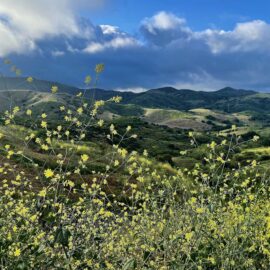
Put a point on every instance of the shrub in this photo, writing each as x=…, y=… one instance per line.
x=130, y=214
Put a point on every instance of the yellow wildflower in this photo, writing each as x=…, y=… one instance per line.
x=48, y=173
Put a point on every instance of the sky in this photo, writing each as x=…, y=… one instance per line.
x=195, y=44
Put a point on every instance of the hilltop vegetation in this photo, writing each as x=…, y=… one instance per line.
x=165, y=179
x=163, y=132
x=169, y=101
x=227, y=99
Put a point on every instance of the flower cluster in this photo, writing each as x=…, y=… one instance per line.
x=57, y=211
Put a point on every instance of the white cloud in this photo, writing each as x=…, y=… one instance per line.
x=111, y=38
x=23, y=22
x=163, y=28
x=95, y=47
x=132, y=89
x=58, y=53
x=248, y=36
x=166, y=51
x=116, y=43
x=12, y=41
x=110, y=29
x=163, y=21
x=38, y=18
x=91, y=5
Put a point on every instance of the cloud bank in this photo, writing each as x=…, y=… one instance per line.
x=62, y=46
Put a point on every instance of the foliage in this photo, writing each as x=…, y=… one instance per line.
x=59, y=215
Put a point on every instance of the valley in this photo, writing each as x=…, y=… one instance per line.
x=162, y=129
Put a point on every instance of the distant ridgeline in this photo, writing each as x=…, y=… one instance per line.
x=227, y=99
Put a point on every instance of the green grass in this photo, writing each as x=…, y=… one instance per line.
x=258, y=150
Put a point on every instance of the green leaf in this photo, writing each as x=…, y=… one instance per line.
x=130, y=264
x=62, y=236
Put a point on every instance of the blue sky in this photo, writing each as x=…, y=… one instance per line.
x=200, y=14
x=197, y=44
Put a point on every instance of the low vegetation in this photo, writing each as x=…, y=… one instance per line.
x=81, y=192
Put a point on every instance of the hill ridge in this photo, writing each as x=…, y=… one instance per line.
x=226, y=99
x=21, y=83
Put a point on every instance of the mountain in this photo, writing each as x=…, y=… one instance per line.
x=227, y=99
x=20, y=83
x=185, y=99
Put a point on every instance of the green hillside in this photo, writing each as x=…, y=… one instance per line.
x=184, y=109
x=227, y=99
x=21, y=83
x=168, y=180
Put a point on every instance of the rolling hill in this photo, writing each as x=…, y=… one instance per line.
x=185, y=109
x=20, y=83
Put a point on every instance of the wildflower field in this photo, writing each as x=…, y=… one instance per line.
x=70, y=202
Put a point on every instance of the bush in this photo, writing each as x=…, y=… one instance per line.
x=132, y=213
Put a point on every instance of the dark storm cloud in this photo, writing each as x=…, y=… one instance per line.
x=165, y=52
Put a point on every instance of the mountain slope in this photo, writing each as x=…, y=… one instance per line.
x=227, y=99
x=20, y=83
